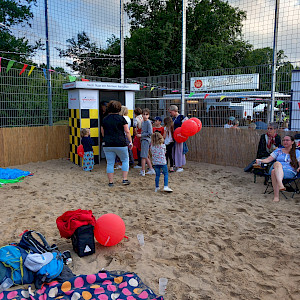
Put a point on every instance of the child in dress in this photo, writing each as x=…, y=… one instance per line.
x=169, y=141
x=87, y=143
x=158, y=150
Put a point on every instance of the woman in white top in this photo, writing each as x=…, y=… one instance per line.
x=124, y=113
x=169, y=141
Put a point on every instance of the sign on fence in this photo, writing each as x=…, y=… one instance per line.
x=225, y=83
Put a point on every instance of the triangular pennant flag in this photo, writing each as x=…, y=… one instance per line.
x=279, y=102
x=175, y=91
x=72, y=78
x=299, y=104
x=152, y=89
x=0, y=64
x=222, y=97
x=206, y=95
x=9, y=65
x=191, y=94
x=144, y=86
x=31, y=69
x=45, y=73
x=24, y=68
x=50, y=70
x=83, y=79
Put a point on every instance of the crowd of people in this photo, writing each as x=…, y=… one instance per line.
x=154, y=144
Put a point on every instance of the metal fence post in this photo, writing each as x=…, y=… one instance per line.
x=48, y=67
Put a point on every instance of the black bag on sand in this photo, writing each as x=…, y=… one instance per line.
x=83, y=240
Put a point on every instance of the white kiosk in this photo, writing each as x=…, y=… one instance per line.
x=84, y=103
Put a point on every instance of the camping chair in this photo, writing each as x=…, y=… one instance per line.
x=262, y=171
x=290, y=184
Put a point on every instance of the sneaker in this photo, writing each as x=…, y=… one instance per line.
x=111, y=184
x=142, y=173
x=125, y=182
x=118, y=167
x=151, y=172
x=179, y=170
x=167, y=189
x=137, y=167
x=157, y=189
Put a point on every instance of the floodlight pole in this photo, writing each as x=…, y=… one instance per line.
x=183, y=57
x=274, y=62
x=48, y=67
x=122, y=40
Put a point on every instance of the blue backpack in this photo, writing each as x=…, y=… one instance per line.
x=12, y=265
x=53, y=269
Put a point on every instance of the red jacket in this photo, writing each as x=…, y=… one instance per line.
x=71, y=220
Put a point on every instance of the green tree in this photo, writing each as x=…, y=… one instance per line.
x=91, y=60
x=213, y=36
x=14, y=12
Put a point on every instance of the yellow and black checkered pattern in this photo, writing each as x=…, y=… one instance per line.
x=74, y=134
x=90, y=119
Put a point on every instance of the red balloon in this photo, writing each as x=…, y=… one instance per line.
x=109, y=230
x=80, y=150
x=189, y=127
x=199, y=123
x=178, y=136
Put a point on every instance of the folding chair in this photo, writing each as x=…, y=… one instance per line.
x=291, y=186
x=260, y=171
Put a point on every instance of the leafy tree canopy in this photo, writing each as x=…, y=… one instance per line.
x=14, y=12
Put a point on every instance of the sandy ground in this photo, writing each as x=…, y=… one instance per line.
x=217, y=236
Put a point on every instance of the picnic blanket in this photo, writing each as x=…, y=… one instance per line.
x=103, y=286
x=12, y=175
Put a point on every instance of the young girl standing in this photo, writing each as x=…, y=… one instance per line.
x=87, y=143
x=158, y=150
x=169, y=141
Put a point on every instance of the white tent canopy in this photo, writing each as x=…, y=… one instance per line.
x=261, y=108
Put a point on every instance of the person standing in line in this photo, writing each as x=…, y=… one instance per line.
x=178, y=156
x=87, y=143
x=169, y=141
x=137, y=129
x=157, y=126
x=158, y=150
x=145, y=143
x=124, y=113
x=114, y=142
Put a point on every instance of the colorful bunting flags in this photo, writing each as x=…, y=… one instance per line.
x=191, y=94
x=174, y=91
x=24, y=68
x=152, y=89
x=279, y=102
x=83, y=79
x=72, y=78
x=9, y=65
x=31, y=69
x=206, y=95
x=222, y=97
x=45, y=73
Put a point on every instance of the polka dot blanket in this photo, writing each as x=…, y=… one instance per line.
x=101, y=286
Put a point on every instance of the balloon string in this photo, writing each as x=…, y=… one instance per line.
x=107, y=240
x=126, y=237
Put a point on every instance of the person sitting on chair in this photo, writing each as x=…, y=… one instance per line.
x=286, y=165
x=268, y=142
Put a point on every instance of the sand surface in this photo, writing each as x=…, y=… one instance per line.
x=217, y=236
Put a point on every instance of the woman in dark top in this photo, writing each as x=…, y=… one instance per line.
x=269, y=141
x=178, y=156
x=114, y=141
